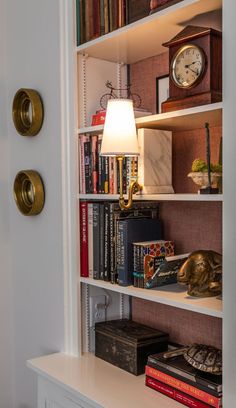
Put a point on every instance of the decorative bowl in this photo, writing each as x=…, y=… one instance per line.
x=201, y=178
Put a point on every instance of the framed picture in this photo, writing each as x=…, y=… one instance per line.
x=162, y=91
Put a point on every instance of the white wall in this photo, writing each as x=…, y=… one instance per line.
x=33, y=60
x=6, y=315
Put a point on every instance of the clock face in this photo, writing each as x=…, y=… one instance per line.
x=187, y=66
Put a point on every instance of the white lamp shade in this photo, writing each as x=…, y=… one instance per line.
x=119, y=134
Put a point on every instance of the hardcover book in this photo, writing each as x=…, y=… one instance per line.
x=182, y=386
x=177, y=395
x=137, y=10
x=159, y=271
x=84, y=270
x=129, y=231
x=180, y=369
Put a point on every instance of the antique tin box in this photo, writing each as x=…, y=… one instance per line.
x=127, y=344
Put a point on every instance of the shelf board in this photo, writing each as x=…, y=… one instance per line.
x=155, y=197
x=172, y=295
x=98, y=383
x=184, y=119
x=132, y=43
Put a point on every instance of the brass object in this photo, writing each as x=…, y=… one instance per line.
x=27, y=112
x=202, y=272
x=29, y=192
x=133, y=188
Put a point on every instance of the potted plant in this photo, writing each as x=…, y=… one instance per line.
x=199, y=174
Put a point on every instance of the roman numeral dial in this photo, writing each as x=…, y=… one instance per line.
x=187, y=66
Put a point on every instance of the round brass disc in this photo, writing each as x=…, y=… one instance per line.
x=29, y=192
x=27, y=112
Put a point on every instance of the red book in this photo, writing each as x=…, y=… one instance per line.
x=175, y=394
x=84, y=269
x=184, y=387
x=99, y=118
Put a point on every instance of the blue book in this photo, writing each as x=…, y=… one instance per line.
x=132, y=230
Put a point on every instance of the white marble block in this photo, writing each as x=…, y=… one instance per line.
x=155, y=161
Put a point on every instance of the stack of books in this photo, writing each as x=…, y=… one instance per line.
x=178, y=380
x=107, y=234
x=100, y=175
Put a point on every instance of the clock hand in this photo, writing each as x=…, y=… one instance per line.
x=193, y=70
x=188, y=65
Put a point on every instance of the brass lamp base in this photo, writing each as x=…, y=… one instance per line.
x=133, y=189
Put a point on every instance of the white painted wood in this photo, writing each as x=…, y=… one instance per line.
x=6, y=298
x=156, y=197
x=69, y=176
x=229, y=218
x=132, y=43
x=100, y=384
x=172, y=295
x=184, y=119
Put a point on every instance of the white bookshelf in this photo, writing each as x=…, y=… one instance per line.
x=132, y=42
x=172, y=295
x=155, y=197
x=184, y=119
x=96, y=384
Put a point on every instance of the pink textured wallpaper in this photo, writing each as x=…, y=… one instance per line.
x=191, y=225
x=183, y=326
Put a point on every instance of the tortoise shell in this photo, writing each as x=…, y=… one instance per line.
x=204, y=358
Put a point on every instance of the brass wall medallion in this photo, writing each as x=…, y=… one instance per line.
x=29, y=192
x=27, y=112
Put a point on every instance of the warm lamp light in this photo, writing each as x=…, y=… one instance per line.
x=120, y=140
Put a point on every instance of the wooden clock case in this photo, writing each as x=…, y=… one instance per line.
x=209, y=88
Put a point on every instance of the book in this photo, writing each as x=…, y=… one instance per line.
x=129, y=231
x=84, y=271
x=179, y=368
x=147, y=209
x=96, y=240
x=107, y=270
x=78, y=39
x=159, y=270
x=138, y=9
x=195, y=392
x=101, y=242
x=177, y=395
x=94, y=154
x=144, y=266
x=90, y=240
x=98, y=118
x=87, y=164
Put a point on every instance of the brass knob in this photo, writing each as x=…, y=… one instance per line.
x=29, y=192
x=27, y=112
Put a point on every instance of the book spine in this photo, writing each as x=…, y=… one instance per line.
x=101, y=233
x=96, y=240
x=112, y=243
x=106, y=174
x=106, y=16
x=111, y=175
x=100, y=160
x=84, y=239
x=184, y=387
x=107, y=274
x=174, y=394
x=122, y=254
x=82, y=21
x=209, y=390
x=102, y=18
x=87, y=164
x=96, y=19
x=90, y=239
x=78, y=22
x=82, y=164
x=94, y=164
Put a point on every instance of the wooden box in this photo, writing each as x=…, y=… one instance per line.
x=127, y=344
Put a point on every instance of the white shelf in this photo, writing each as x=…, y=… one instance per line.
x=132, y=42
x=172, y=295
x=184, y=119
x=155, y=197
x=100, y=384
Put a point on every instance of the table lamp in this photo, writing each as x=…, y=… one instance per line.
x=120, y=140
